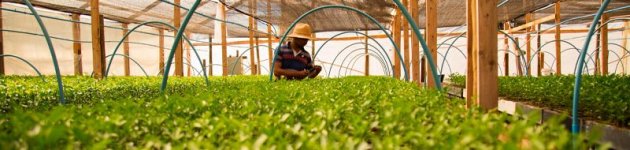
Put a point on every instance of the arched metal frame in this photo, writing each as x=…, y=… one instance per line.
x=355, y=60
x=27, y=62
x=241, y=56
x=172, y=50
x=179, y=35
x=348, y=46
x=62, y=97
x=342, y=62
x=445, y=55
x=134, y=61
x=356, y=32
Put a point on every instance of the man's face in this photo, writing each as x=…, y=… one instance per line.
x=300, y=42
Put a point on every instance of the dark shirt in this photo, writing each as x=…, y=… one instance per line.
x=290, y=60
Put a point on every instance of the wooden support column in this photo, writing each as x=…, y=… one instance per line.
x=471, y=70
x=367, y=57
x=415, y=46
x=405, y=30
x=204, y=64
x=597, y=51
x=161, y=50
x=485, y=47
x=210, y=64
x=396, y=33
x=258, y=64
x=506, y=47
x=269, y=36
x=98, y=40
x=604, y=43
x=76, y=45
x=179, y=53
x=431, y=34
x=126, y=49
x=528, y=44
x=1, y=42
x=541, y=62
x=538, y=44
x=517, y=59
x=224, y=43
x=557, y=37
x=252, y=62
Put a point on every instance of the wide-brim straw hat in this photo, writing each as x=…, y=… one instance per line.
x=302, y=30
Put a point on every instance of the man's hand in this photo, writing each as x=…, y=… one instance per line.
x=302, y=73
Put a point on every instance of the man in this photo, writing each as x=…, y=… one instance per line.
x=293, y=62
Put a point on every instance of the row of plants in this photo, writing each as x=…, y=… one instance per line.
x=33, y=93
x=604, y=98
x=253, y=113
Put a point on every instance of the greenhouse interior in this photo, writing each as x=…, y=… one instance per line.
x=314, y=74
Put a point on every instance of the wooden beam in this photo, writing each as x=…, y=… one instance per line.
x=604, y=44
x=203, y=65
x=179, y=53
x=415, y=46
x=367, y=57
x=1, y=43
x=485, y=37
x=431, y=34
x=224, y=57
x=76, y=45
x=145, y=10
x=396, y=33
x=258, y=64
x=406, y=44
x=251, y=40
x=506, y=64
x=161, y=50
x=541, y=63
x=98, y=43
x=471, y=72
x=517, y=59
x=557, y=33
x=125, y=27
x=597, y=51
x=531, y=23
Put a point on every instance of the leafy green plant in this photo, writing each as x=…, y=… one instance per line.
x=602, y=98
x=252, y=113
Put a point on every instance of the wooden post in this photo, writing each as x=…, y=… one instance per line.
x=471, y=71
x=396, y=34
x=518, y=59
x=98, y=43
x=558, y=43
x=179, y=53
x=126, y=48
x=187, y=49
x=604, y=43
x=485, y=39
x=597, y=51
x=161, y=50
x=76, y=46
x=415, y=46
x=204, y=64
x=251, y=40
x=431, y=34
x=224, y=43
x=367, y=57
x=541, y=63
x=1, y=42
x=405, y=30
x=506, y=47
x=423, y=66
x=528, y=44
x=210, y=66
x=258, y=65
x=538, y=44
x=269, y=36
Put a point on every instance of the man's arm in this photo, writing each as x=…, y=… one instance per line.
x=278, y=71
